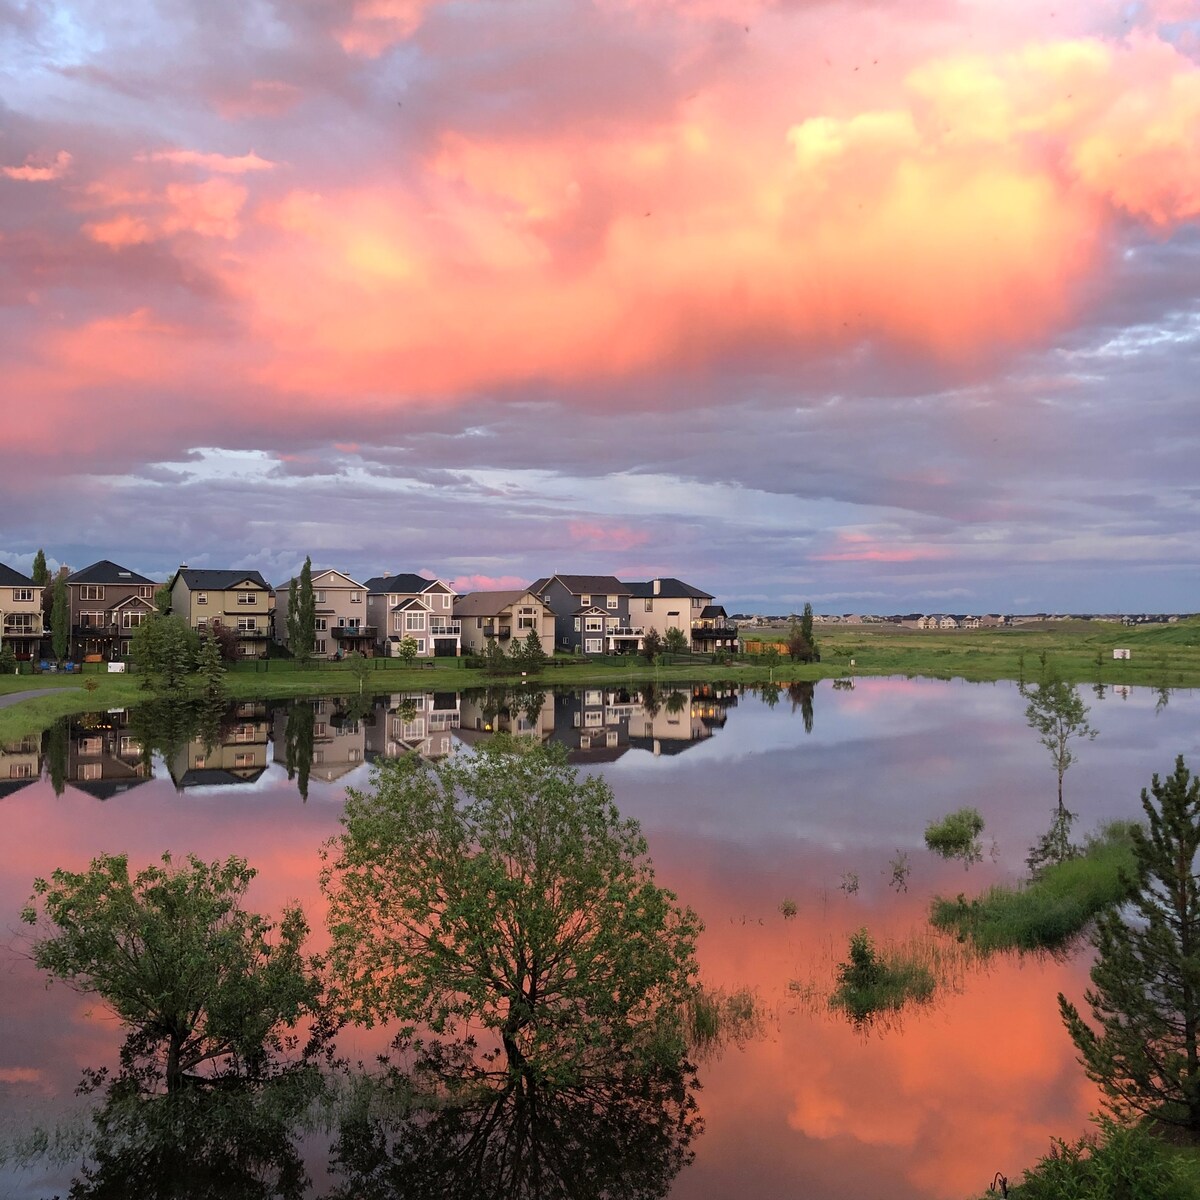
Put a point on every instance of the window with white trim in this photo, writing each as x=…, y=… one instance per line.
x=22, y=594
x=414, y=620
x=91, y=591
x=612, y=602
x=322, y=647
x=648, y=605
x=247, y=624
x=585, y=600
x=321, y=624
x=319, y=597
x=201, y=597
x=594, y=625
x=246, y=597
x=131, y=620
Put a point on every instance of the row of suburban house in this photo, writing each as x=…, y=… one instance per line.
x=579, y=614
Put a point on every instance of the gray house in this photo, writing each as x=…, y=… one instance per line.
x=591, y=613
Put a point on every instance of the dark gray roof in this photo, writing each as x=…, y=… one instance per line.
x=12, y=578
x=668, y=589
x=400, y=582
x=105, y=571
x=217, y=581
x=585, y=585
x=712, y=611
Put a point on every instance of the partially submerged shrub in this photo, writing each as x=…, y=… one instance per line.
x=956, y=835
x=870, y=982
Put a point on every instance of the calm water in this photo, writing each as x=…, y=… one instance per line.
x=745, y=805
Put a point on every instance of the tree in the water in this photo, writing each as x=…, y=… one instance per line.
x=205, y=989
x=298, y=744
x=801, y=695
x=1145, y=993
x=502, y=894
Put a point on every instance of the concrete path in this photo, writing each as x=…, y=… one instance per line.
x=16, y=697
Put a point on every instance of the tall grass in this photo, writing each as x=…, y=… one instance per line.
x=871, y=982
x=1047, y=913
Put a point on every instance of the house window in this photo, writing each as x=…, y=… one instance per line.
x=592, y=718
x=198, y=762
x=697, y=601
x=356, y=597
x=20, y=771
x=352, y=622
x=322, y=624
x=593, y=645
x=91, y=592
x=576, y=626
x=612, y=622
x=92, y=620
x=420, y=645
x=91, y=745
x=444, y=601
x=320, y=729
x=20, y=594
x=243, y=760
x=414, y=620
x=201, y=597
x=246, y=598
x=594, y=625
x=585, y=600
x=612, y=602
x=321, y=647
x=19, y=622
x=648, y=605
x=247, y=624
x=319, y=597
x=146, y=593
x=527, y=618
x=131, y=620
x=91, y=771
x=593, y=696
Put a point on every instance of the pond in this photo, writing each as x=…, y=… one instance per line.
x=785, y=821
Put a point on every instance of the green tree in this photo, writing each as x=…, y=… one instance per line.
x=40, y=573
x=1145, y=993
x=205, y=988
x=302, y=615
x=652, y=645
x=532, y=657
x=8, y=659
x=676, y=641
x=162, y=600
x=502, y=892
x=360, y=668
x=799, y=645
x=406, y=648
x=298, y=746
x=60, y=619
x=57, y=746
x=495, y=661
x=806, y=630
x=1057, y=714
x=165, y=650
x=211, y=669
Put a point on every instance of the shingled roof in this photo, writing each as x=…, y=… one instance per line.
x=12, y=578
x=105, y=571
x=668, y=589
x=199, y=579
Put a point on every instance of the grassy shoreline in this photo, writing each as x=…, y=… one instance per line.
x=1162, y=656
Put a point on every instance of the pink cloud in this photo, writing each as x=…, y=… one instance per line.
x=488, y=583
x=611, y=537
x=377, y=25
x=31, y=172
x=221, y=163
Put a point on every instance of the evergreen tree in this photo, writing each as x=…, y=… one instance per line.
x=60, y=619
x=806, y=630
x=532, y=656
x=495, y=661
x=211, y=669
x=40, y=573
x=1145, y=994
x=306, y=615
x=298, y=744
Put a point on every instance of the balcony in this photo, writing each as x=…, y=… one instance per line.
x=714, y=631
x=20, y=631
x=627, y=631
x=257, y=634
x=98, y=631
x=350, y=633
x=497, y=631
x=445, y=629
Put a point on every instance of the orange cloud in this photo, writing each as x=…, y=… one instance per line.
x=850, y=546
x=32, y=173
x=377, y=25
x=221, y=163
x=487, y=583
x=612, y=537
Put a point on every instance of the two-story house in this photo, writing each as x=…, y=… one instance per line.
x=405, y=605
x=240, y=600
x=506, y=616
x=108, y=602
x=662, y=604
x=341, y=608
x=20, y=613
x=591, y=613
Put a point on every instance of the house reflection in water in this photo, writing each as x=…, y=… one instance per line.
x=103, y=757
x=420, y=723
x=20, y=764
x=238, y=757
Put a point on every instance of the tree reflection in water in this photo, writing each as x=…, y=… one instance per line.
x=443, y=1130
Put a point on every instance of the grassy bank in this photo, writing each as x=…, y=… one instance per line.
x=1166, y=656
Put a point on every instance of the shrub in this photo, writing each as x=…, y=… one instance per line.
x=871, y=983
x=956, y=835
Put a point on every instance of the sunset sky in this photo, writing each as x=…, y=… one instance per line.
x=884, y=306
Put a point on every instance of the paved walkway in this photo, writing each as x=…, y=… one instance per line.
x=16, y=697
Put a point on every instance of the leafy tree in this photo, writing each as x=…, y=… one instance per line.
x=676, y=641
x=60, y=618
x=806, y=628
x=165, y=650
x=360, y=668
x=406, y=648
x=40, y=573
x=8, y=659
x=800, y=646
x=652, y=645
x=802, y=695
x=302, y=615
x=205, y=988
x=211, y=670
x=1057, y=714
x=1145, y=993
x=500, y=892
x=495, y=661
x=227, y=641
x=162, y=600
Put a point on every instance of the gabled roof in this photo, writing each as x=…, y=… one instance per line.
x=668, y=589
x=12, y=578
x=592, y=610
x=413, y=602
x=712, y=611
x=404, y=582
x=105, y=571
x=585, y=585
x=488, y=604
x=317, y=574
x=217, y=581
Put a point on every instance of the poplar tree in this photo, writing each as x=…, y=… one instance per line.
x=306, y=614
x=60, y=619
x=1145, y=993
x=40, y=573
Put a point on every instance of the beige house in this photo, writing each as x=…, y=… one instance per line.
x=421, y=723
x=240, y=758
x=341, y=606
x=239, y=600
x=662, y=604
x=506, y=616
x=20, y=612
